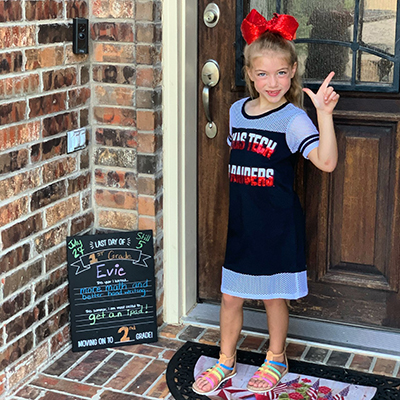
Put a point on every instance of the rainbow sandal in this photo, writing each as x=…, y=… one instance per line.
x=268, y=373
x=215, y=376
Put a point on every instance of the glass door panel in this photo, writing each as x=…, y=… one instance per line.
x=358, y=39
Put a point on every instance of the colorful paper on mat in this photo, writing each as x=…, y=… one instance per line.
x=292, y=386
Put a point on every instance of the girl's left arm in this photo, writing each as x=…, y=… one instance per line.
x=325, y=156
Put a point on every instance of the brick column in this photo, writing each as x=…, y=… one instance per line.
x=45, y=193
x=126, y=102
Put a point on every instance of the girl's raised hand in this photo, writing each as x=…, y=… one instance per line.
x=326, y=98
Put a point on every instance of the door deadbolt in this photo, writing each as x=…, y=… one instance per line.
x=211, y=15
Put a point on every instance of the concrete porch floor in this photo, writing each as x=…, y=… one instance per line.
x=138, y=372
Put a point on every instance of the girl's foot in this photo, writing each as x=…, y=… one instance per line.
x=275, y=367
x=211, y=379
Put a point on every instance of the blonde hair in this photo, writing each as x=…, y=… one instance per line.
x=275, y=43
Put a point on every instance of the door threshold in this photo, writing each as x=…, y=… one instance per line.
x=331, y=334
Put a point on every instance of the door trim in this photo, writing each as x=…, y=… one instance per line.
x=179, y=156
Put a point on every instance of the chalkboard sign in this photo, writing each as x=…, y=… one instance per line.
x=111, y=289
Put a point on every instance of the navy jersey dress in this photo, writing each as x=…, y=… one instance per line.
x=265, y=253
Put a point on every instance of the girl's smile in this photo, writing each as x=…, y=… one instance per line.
x=272, y=76
x=274, y=93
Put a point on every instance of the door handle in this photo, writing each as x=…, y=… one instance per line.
x=206, y=102
x=210, y=77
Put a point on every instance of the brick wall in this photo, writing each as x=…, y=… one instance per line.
x=115, y=183
x=126, y=107
x=45, y=193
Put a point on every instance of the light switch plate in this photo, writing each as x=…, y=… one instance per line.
x=76, y=140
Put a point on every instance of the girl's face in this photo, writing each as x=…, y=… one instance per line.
x=272, y=76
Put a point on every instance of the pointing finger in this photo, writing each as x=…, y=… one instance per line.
x=327, y=80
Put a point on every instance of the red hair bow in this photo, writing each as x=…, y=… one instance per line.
x=254, y=25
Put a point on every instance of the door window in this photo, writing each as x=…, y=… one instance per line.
x=358, y=39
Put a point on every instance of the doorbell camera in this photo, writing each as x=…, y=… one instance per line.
x=80, y=41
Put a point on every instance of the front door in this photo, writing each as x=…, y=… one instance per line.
x=352, y=215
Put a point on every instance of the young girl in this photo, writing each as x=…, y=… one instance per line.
x=265, y=257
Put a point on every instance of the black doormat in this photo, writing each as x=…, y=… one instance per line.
x=181, y=368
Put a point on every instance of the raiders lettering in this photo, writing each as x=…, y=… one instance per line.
x=251, y=175
x=256, y=143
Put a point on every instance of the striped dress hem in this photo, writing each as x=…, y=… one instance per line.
x=290, y=286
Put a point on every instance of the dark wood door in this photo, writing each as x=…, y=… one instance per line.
x=216, y=43
x=352, y=215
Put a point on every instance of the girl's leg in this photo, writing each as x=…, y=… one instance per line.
x=278, y=323
x=231, y=320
